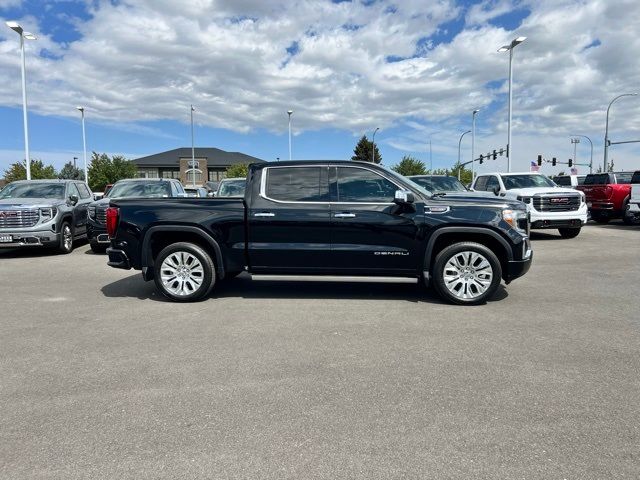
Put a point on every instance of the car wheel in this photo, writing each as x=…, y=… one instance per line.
x=184, y=272
x=628, y=218
x=466, y=273
x=569, y=232
x=97, y=248
x=65, y=244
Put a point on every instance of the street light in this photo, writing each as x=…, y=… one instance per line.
x=591, y=143
x=473, y=143
x=84, y=146
x=289, y=112
x=193, y=151
x=606, y=130
x=575, y=142
x=373, y=141
x=509, y=48
x=24, y=36
x=430, y=156
x=459, y=142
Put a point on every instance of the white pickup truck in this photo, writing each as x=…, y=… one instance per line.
x=549, y=205
x=633, y=206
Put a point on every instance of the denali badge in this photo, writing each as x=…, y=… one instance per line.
x=391, y=253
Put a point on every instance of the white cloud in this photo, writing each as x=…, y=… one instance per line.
x=149, y=59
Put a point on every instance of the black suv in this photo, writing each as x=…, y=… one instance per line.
x=127, y=188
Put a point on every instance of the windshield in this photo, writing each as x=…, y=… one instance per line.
x=404, y=179
x=440, y=184
x=140, y=189
x=34, y=190
x=526, y=181
x=231, y=188
x=562, y=181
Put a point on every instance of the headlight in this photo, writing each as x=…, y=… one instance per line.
x=516, y=218
x=92, y=212
x=47, y=214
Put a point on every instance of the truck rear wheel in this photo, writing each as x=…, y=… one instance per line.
x=569, y=232
x=466, y=273
x=184, y=272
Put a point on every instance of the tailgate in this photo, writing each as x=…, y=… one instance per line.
x=597, y=192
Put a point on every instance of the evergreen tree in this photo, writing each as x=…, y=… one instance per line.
x=363, y=151
x=410, y=166
x=70, y=172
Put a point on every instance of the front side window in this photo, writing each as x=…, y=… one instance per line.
x=526, y=181
x=84, y=191
x=361, y=185
x=297, y=184
x=33, y=190
x=492, y=183
x=73, y=190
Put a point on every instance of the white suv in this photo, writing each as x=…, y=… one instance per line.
x=549, y=206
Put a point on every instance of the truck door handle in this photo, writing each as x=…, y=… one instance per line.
x=264, y=214
x=344, y=215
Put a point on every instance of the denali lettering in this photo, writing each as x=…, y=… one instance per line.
x=391, y=253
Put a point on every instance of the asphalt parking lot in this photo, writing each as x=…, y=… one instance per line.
x=102, y=378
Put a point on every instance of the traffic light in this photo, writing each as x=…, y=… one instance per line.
x=501, y=151
x=553, y=161
x=539, y=160
x=481, y=158
x=570, y=163
x=495, y=154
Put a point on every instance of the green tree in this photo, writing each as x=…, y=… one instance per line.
x=70, y=172
x=39, y=171
x=465, y=173
x=104, y=170
x=363, y=151
x=410, y=166
x=238, y=170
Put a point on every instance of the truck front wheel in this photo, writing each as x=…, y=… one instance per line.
x=466, y=273
x=184, y=272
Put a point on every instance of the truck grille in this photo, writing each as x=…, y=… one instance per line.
x=18, y=218
x=101, y=215
x=556, y=203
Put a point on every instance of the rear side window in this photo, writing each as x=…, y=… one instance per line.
x=481, y=184
x=360, y=185
x=298, y=184
x=597, y=179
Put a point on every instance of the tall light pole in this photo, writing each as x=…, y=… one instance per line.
x=430, y=157
x=473, y=143
x=373, y=142
x=84, y=146
x=590, y=143
x=24, y=36
x=289, y=112
x=459, y=143
x=193, y=151
x=606, y=130
x=514, y=43
x=575, y=142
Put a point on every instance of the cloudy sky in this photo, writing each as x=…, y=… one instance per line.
x=414, y=68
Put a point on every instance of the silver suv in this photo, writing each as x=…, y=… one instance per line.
x=44, y=213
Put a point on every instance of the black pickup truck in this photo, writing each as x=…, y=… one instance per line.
x=323, y=218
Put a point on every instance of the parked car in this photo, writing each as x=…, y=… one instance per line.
x=44, y=213
x=633, y=207
x=212, y=188
x=608, y=195
x=549, y=206
x=197, y=192
x=336, y=218
x=569, y=180
x=128, y=188
x=439, y=183
x=231, y=187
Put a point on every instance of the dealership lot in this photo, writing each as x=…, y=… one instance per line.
x=102, y=378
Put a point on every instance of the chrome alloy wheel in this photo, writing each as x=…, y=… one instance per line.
x=467, y=275
x=181, y=273
x=67, y=237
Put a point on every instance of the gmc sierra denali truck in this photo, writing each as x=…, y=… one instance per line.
x=608, y=195
x=323, y=218
x=44, y=213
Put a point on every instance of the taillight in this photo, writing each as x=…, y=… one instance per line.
x=113, y=215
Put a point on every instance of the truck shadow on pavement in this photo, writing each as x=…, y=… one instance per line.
x=245, y=287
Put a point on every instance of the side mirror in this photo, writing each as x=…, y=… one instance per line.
x=211, y=194
x=73, y=199
x=97, y=197
x=496, y=190
x=403, y=197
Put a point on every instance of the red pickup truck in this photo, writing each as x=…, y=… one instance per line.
x=608, y=195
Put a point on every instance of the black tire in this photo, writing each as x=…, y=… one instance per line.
x=98, y=248
x=569, y=232
x=626, y=217
x=185, y=291
x=65, y=244
x=476, y=297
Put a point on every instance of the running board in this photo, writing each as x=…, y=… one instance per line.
x=333, y=278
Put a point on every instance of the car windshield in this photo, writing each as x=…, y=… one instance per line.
x=33, y=190
x=563, y=181
x=597, y=179
x=231, y=188
x=140, y=189
x=440, y=184
x=526, y=181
